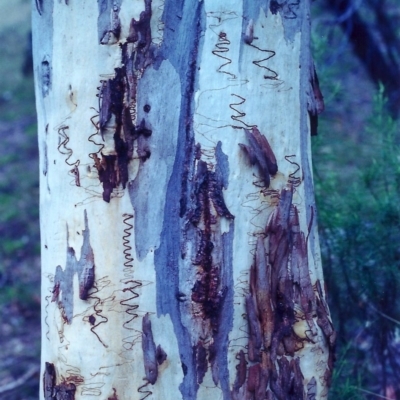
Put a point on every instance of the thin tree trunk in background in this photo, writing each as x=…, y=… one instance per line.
x=179, y=243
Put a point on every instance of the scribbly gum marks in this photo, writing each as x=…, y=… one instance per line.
x=209, y=259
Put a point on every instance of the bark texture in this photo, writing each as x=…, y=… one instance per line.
x=180, y=250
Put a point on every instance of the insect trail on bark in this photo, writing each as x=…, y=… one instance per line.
x=128, y=273
x=273, y=74
x=133, y=110
x=145, y=390
x=125, y=241
x=131, y=308
x=294, y=180
x=222, y=47
x=97, y=312
x=241, y=287
x=240, y=114
x=130, y=342
x=90, y=138
x=256, y=213
x=46, y=318
x=63, y=144
x=158, y=38
x=93, y=390
x=244, y=338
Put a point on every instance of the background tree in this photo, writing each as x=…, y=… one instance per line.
x=180, y=255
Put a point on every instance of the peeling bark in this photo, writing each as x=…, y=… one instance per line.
x=62, y=391
x=278, y=300
x=200, y=275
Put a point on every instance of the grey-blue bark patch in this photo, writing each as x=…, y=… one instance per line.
x=108, y=23
x=149, y=351
x=222, y=167
x=305, y=63
x=63, y=291
x=251, y=10
x=184, y=23
x=147, y=190
x=290, y=13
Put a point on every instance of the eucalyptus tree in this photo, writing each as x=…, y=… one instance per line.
x=179, y=242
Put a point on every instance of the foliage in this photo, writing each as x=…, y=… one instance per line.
x=19, y=222
x=359, y=218
x=19, y=217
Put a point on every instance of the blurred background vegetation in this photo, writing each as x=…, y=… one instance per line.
x=356, y=46
x=19, y=211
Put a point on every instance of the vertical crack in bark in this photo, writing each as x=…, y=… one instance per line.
x=202, y=249
x=63, y=281
x=209, y=205
x=315, y=100
x=281, y=294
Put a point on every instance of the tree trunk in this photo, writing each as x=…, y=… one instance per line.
x=179, y=242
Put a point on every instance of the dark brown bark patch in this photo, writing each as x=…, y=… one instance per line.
x=280, y=294
x=206, y=253
x=260, y=152
x=209, y=205
x=114, y=395
x=117, y=95
x=63, y=391
x=201, y=362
